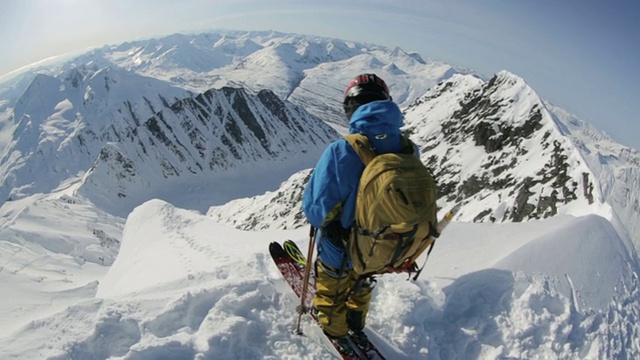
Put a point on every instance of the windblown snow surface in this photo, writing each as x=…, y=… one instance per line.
x=186, y=287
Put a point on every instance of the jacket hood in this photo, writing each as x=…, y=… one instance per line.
x=380, y=121
x=376, y=118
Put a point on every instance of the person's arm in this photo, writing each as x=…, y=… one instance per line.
x=333, y=185
x=321, y=193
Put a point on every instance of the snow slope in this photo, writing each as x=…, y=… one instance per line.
x=53, y=250
x=184, y=286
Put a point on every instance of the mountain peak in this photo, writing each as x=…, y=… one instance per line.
x=505, y=76
x=498, y=147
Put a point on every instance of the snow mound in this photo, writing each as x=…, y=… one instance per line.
x=586, y=250
x=164, y=245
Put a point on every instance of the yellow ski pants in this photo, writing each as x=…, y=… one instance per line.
x=340, y=304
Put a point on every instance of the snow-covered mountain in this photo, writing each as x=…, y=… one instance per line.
x=59, y=124
x=230, y=124
x=500, y=147
x=199, y=137
x=308, y=71
x=495, y=144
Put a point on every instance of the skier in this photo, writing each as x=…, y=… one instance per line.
x=342, y=298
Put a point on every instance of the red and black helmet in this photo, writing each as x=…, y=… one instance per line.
x=363, y=89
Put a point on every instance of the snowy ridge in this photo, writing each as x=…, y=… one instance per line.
x=200, y=62
x=617, y=168
x=308, y=71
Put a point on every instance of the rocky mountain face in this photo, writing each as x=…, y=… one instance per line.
x=211, y=133
x=495, y=144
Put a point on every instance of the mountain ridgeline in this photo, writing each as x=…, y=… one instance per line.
x=211, y=133
x=122, y=124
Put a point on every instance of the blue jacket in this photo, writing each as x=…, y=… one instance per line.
x=334, y=181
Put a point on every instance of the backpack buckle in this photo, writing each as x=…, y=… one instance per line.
x=408, y=266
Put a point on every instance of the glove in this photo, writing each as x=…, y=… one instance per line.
x=336, y=233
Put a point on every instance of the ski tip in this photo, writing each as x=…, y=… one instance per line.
x=275, y=247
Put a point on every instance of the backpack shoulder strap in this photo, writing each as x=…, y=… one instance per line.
x=360, y=143
x=408, y=147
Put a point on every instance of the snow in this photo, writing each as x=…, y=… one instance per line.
x=186, y=286
x=52, y=255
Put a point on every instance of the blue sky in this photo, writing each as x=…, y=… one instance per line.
x=582, y=55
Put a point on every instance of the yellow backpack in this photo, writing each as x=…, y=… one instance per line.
x=395, y=209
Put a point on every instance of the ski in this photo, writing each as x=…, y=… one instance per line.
x=291, y=262
x=292, y=271
x=294, y=252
